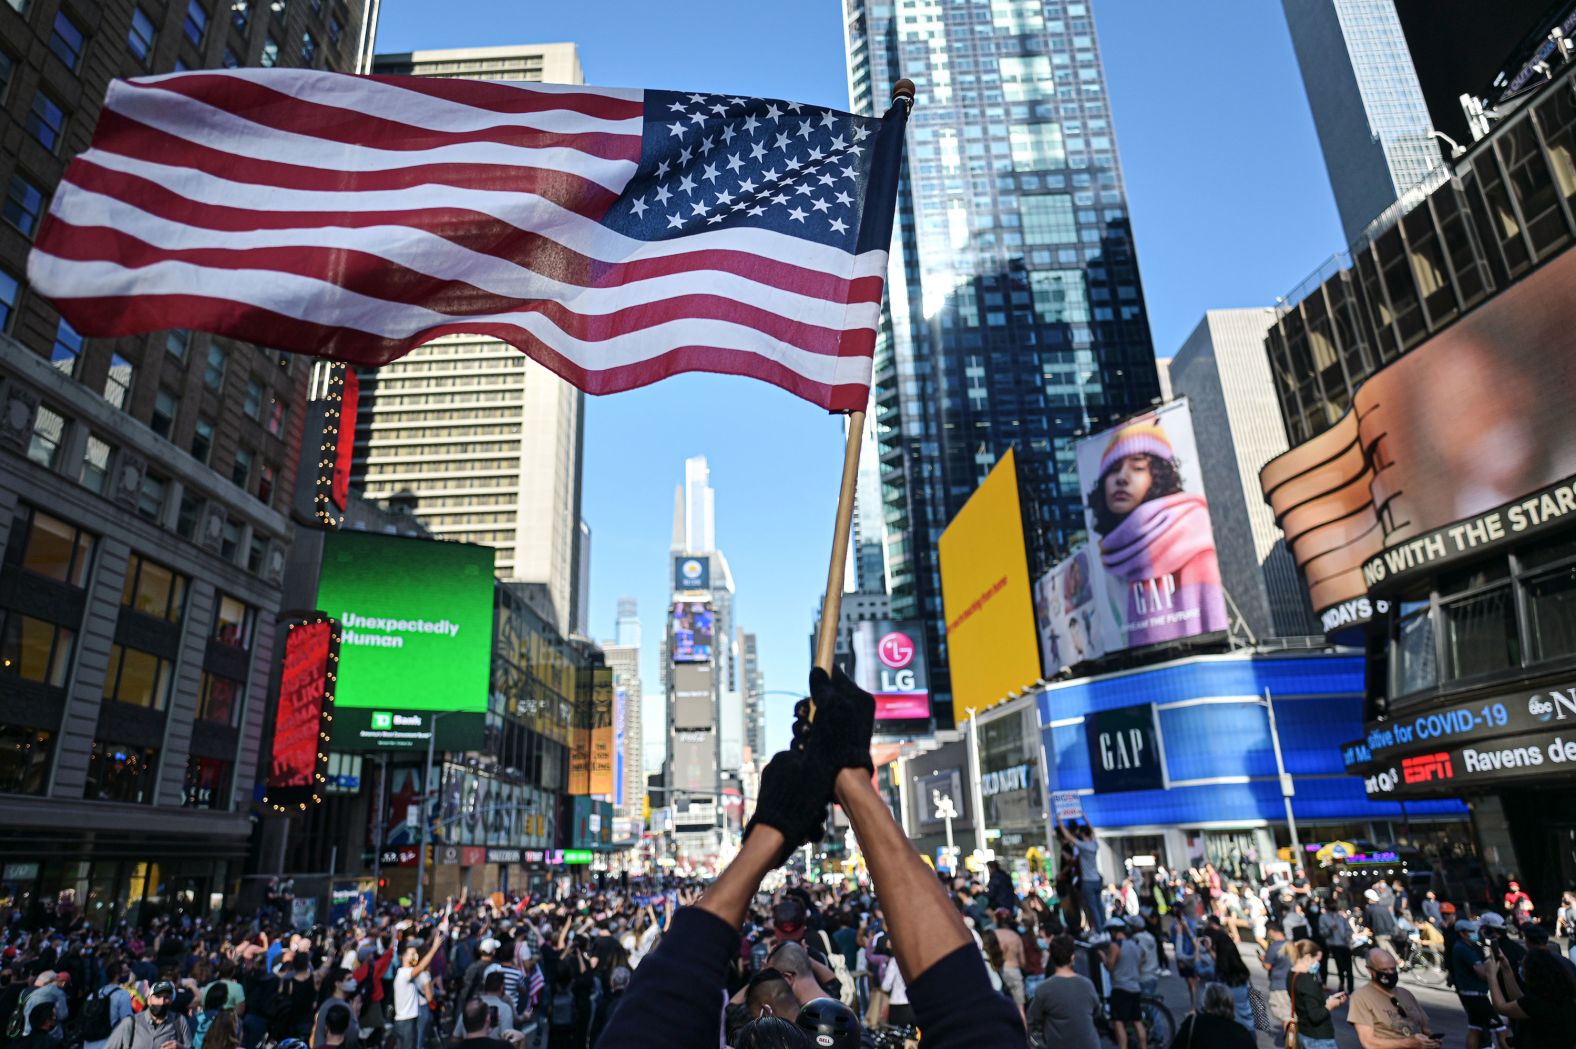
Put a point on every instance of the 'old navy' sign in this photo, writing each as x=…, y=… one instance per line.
x=1001, y=781
x=1124, y=750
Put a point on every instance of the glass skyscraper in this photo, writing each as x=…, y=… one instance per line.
x=1015, y=315
x=1368, y=107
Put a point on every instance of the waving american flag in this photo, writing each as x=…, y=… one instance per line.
x=616, y=236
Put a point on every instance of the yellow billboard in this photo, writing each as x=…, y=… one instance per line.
x=992, y=646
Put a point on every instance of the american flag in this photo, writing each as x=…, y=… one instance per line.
x=617, y=236
x=533, y=994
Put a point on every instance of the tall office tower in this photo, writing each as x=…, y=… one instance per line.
x=580, y=597
x=754, y=698
x=866, y=566
x=145, y=502
x=626, y=629
x=1015, y=314
x=481, y=442
x=1368, y=107
x=625, y=663
x=1223, y=371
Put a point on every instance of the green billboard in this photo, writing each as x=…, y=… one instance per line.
x=417, y=625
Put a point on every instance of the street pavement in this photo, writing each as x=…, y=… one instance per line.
x=1443, y=1008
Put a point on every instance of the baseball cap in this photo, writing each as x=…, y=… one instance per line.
x=1535, y=934
x=1493, y=920
x=1370, y=895
x=164, y=989
x=489, y=946
x=1467, y=927
x=45, y=978
x=1447, y=908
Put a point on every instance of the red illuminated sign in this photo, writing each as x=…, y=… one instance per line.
x=1421, y=768
x=349, y=398
x=303, y=714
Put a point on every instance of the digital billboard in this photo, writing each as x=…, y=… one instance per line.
x=694, y=703
x=1065, y=611
x=1465, y=443
x=991, y=643
x=602, y=733
x=889, y=663
x=1152, y=567
x=691, y=572
x=417, y=621
x=693, y=623
x=694, y=761
x=303, y=715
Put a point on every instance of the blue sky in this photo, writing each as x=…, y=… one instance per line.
x=1230, y=206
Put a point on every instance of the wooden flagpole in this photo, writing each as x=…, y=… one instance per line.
x=832, y=605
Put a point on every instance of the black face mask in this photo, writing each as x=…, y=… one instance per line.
x=1387, y=980
x=158, y=1011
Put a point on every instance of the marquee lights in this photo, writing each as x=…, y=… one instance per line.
x=342, y=396
x=310, y=643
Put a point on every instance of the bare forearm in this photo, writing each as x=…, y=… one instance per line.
x=925, y=926
x=729, y=896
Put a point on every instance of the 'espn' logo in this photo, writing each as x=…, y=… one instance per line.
x=1421, y=768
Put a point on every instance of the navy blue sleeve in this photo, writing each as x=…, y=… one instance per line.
x=955, y=1005
x=676, y=996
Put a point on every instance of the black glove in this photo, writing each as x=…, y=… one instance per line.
x=792, y=800
x=845, y=716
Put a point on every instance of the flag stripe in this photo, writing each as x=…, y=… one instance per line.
x=247, y=140
x=517, y=208
x=399, y=102
x=585, y=314
x=305, y=298
x=372, y=129
x=841, y=388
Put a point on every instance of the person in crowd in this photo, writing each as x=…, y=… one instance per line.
x=107, y=1006
x=1214, y=1024
x=1231, y=971
x=1335, y=928
x=1518, y=905
x=1379, y=916
x=1123, y=961
x=342, y=997
x=476, y=1019
x=771, y=1032
x=999, y=893
x=1431, y=911
x=1385, y=1014
x=1311, y=1006
x=1011, y=944
x=1065, y=1007
x=1542, y=1002
x=43, y=1027
x=677, y=996
x=1086, y=851
x=46, y=988
x=156, y=1026
x=1469, y=976
x=407, y=1007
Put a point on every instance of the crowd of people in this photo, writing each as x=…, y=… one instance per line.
x=958, y=959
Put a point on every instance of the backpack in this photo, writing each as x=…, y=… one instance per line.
x=18, y=1020
x=96, y=1012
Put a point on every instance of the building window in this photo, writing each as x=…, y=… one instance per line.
x=8, y=293
x=241, y=469
x=276, y=417
x=233, y=623
x=177, y=341
x=196, y=24
x=66, y=40
x=7, y=68
x=136, y=677
x=152, y=589
x=207, y=784
x=121, y=773
x=49, y=430
x=219, y=699
x=231, y=60
x=256, y=551
x=308, y=48
x=265, y=484
x=46, y=120
x=240, y=15
x=140, y=38
x=67, y=350
x=24, y=759
x=270, y=55
x=202, y=440
x=1415, y=666
x=1048, y=219
x=165, y=404
x=336, y=29
x=24, y=202
x=1480, y=634
x=150, y=501
x=213, y=374
x=186, y=518
x=34, y=649
x=1551, y=614
x=230, y=541
x=49, y=547
x=253, y=405
x=117, y=383
x=95, y=465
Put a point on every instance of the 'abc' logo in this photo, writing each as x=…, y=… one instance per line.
x=895, y=650
x=1541, y=709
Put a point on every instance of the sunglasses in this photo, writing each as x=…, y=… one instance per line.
x=788, y=927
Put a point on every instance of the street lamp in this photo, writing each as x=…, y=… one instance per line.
x=1287, y=787
x=947, y=812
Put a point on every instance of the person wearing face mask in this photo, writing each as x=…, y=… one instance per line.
x=158, y=1026
x=1386, y=1014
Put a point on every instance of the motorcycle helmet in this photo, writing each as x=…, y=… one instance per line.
x=830, y=1024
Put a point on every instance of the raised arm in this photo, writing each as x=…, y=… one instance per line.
x=432, y=951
